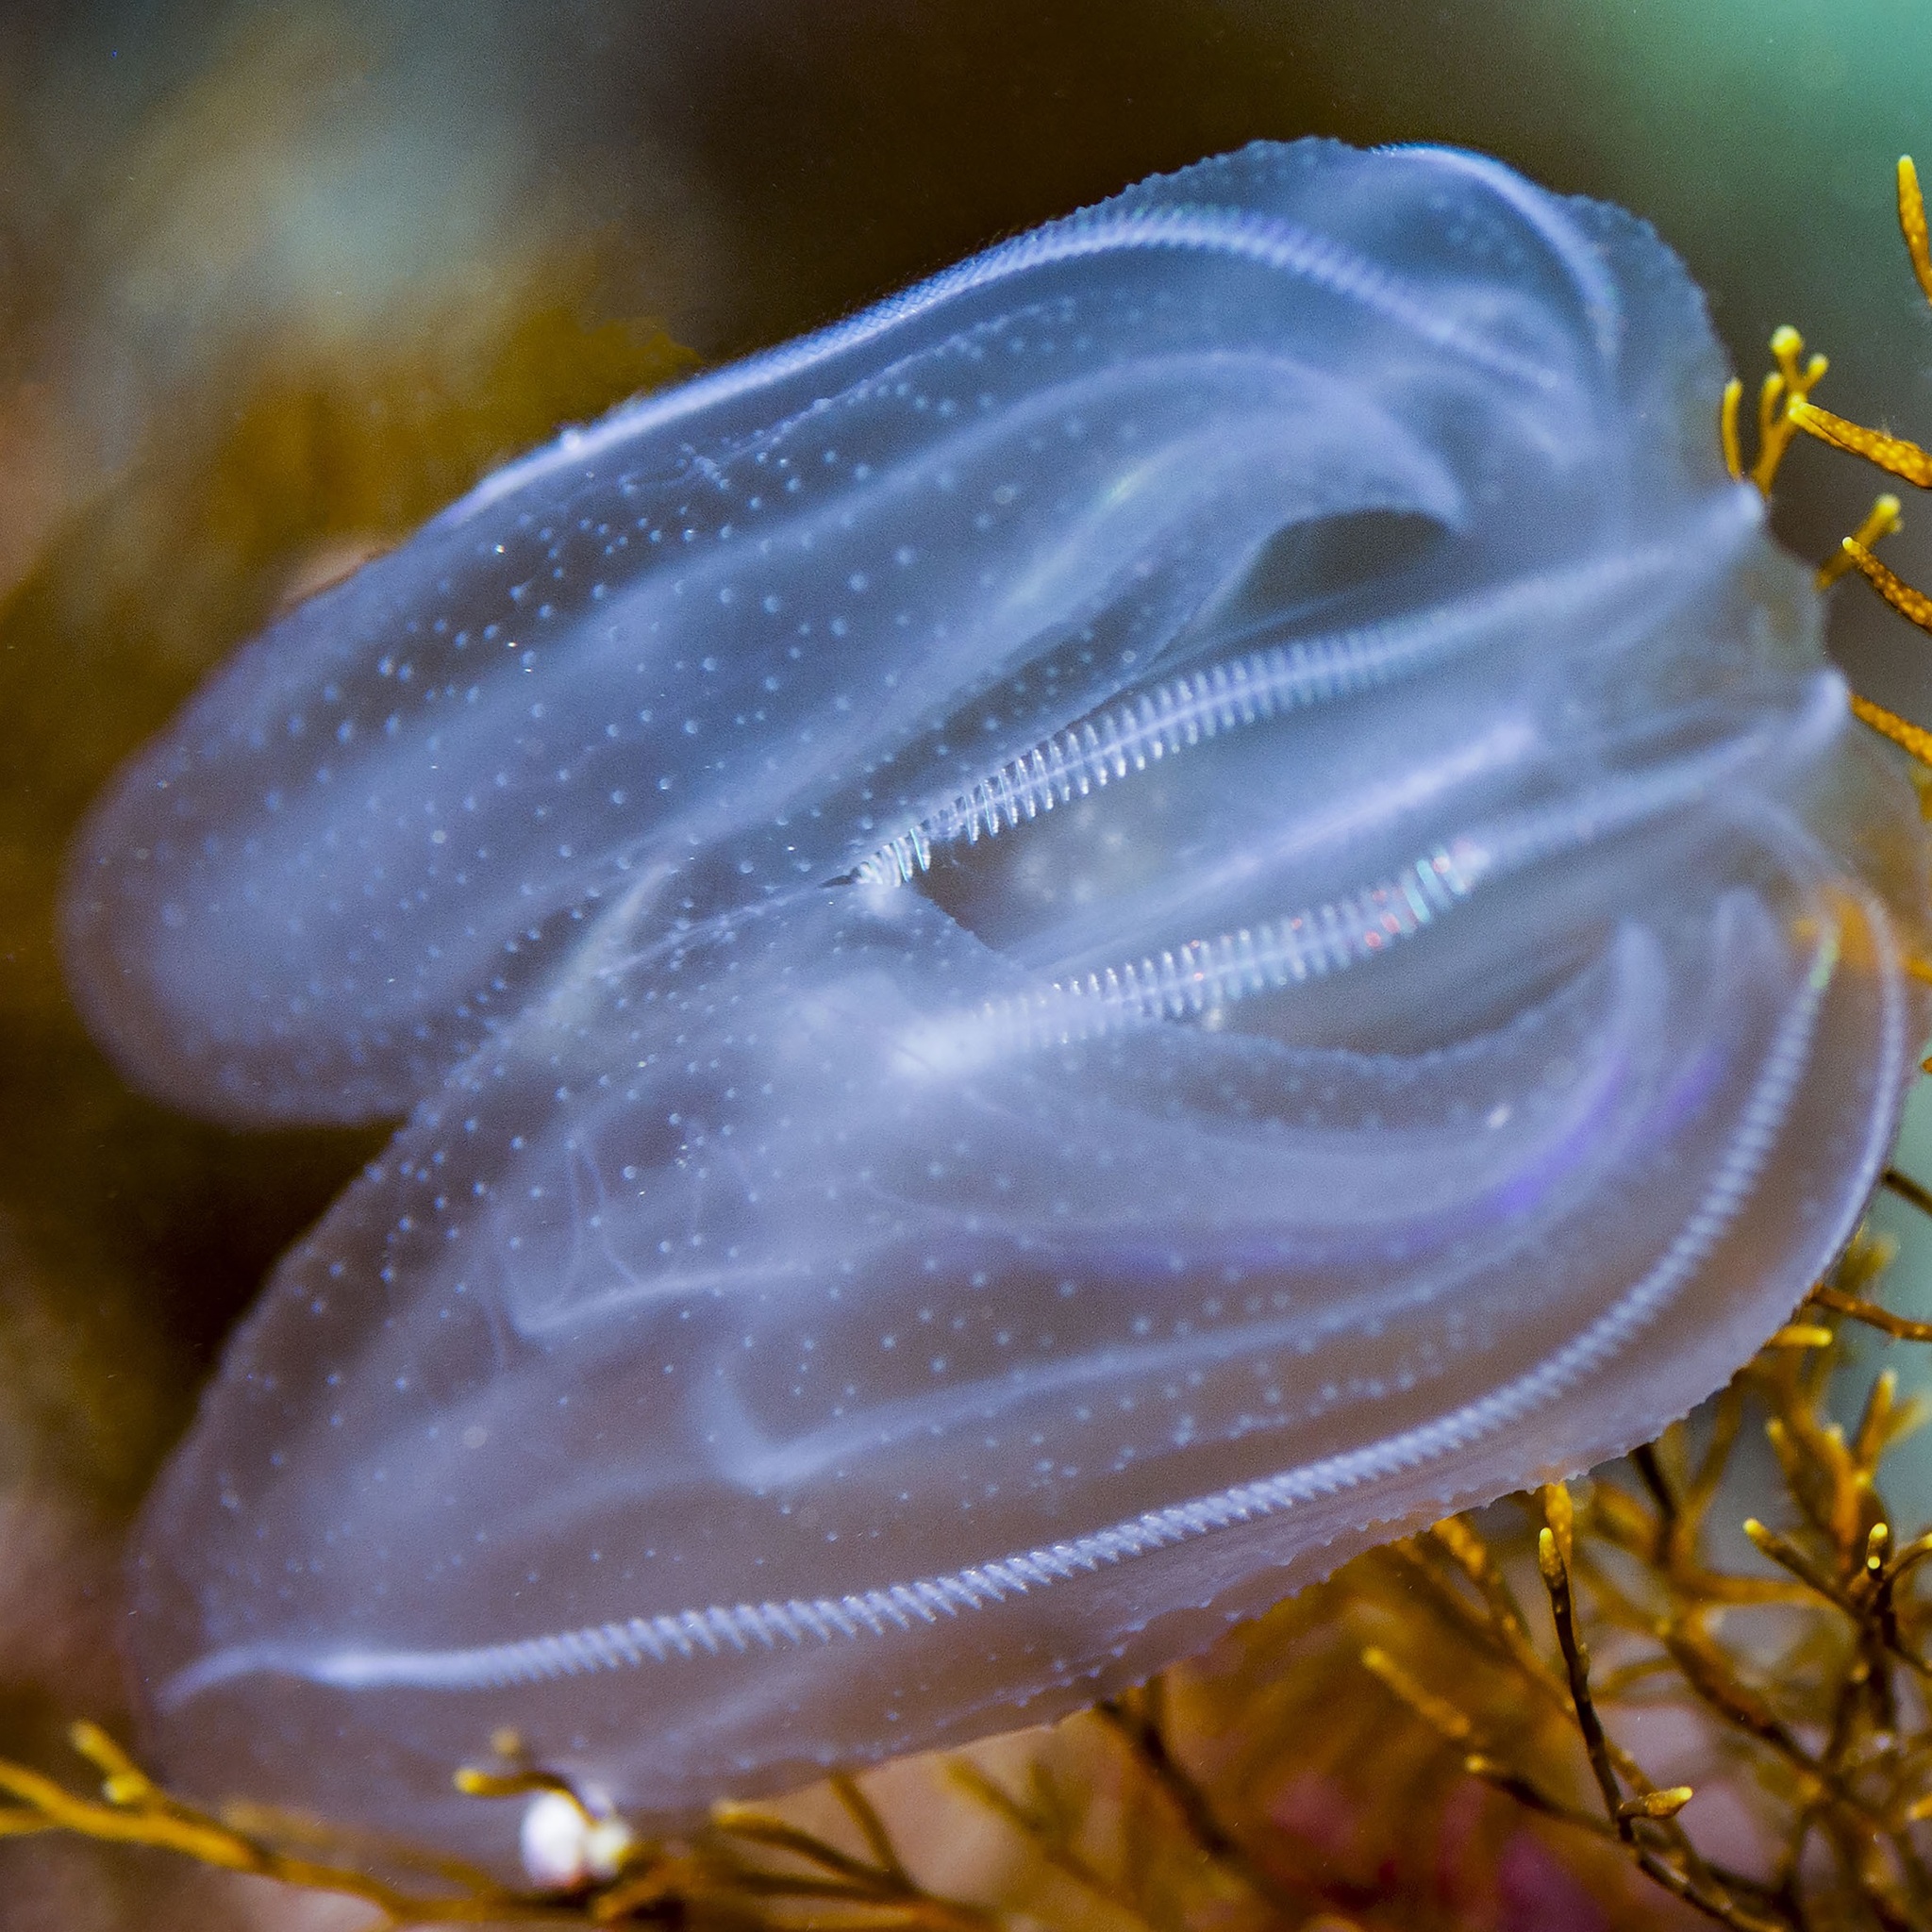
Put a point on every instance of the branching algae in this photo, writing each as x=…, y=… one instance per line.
x=1177, y=903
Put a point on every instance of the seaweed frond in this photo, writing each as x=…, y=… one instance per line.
x=1785, y=407
x=1784, y=389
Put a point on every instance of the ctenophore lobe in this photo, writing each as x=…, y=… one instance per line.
x=1174, y=903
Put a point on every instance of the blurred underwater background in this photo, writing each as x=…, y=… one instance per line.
x=276, y=281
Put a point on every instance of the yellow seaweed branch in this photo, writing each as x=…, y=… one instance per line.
x=1785, y=407
x=1786, y=388
x=134, y=1810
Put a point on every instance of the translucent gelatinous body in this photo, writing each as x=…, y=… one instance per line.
x=1178, y=902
